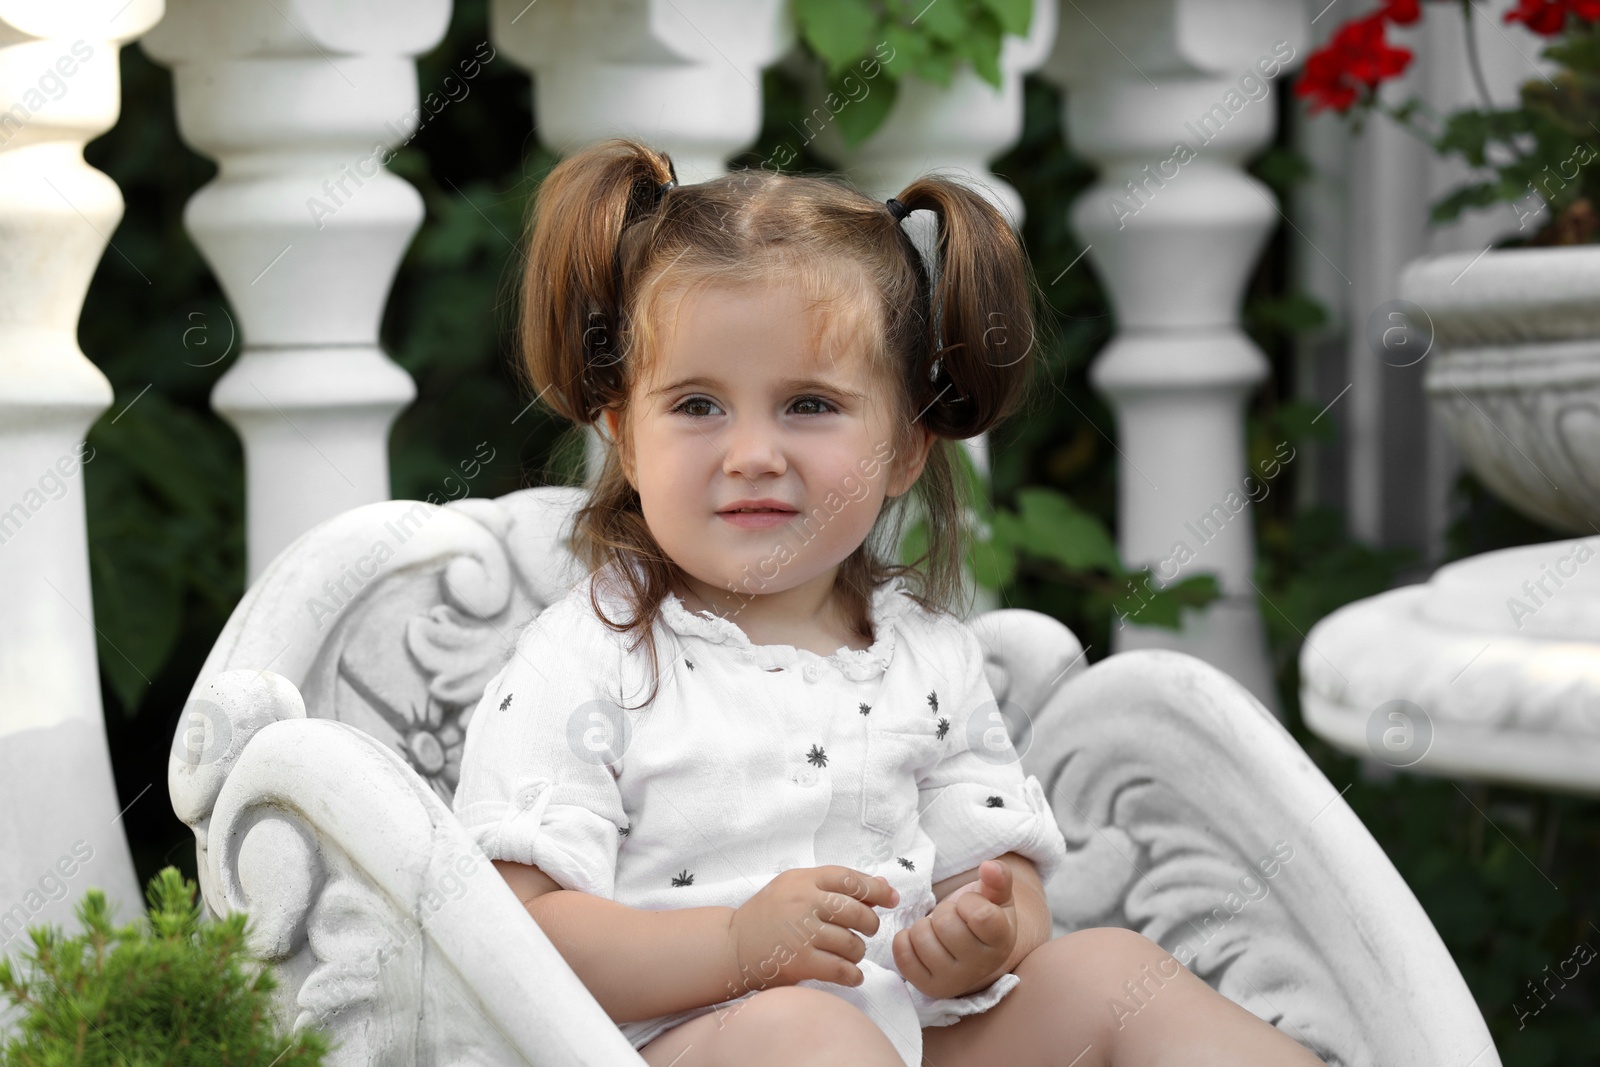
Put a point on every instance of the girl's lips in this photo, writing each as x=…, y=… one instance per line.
x=757, y=520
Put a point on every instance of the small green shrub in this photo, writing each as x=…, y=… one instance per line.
x=166, y=989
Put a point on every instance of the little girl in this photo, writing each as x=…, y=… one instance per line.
x=746, y=776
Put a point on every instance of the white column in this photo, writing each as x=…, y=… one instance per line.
x=60, y=830
x=932, y=129
x=683, y=76
x=300, y=103
x=1171, y=101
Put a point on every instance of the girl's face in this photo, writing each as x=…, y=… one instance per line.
x=740, y=411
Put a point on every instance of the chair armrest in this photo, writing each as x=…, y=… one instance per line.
x=1192, y=816
x=388, y=926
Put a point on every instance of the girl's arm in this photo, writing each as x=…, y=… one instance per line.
x=637, y=963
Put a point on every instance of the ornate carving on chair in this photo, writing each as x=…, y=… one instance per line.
x=322, y=741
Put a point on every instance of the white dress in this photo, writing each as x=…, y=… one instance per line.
x=752, y=760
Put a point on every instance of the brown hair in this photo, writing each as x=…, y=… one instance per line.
x=607, y=250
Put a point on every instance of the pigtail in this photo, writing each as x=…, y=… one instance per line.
x=980, y=326
x=570, y=328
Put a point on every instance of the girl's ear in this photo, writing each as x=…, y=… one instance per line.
x=611, y=434
x=905, y=475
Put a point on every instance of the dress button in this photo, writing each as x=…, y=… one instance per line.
x=807, y=776
x=812, y=671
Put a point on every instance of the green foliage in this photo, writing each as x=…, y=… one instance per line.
x=167, y=989
x=1050, y=536
x=892, y=39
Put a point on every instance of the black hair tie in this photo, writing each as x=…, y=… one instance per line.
x=897, y=209
x=670, y=183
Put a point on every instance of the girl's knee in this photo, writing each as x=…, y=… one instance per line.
x=1105, y=955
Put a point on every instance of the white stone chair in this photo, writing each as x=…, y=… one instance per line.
x=320, y=748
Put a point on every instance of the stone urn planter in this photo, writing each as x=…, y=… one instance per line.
x=1491, y=669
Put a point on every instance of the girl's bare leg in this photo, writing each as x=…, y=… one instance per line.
x=1062, y=1015
x=788, y=1026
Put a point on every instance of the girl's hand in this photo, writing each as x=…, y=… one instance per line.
x=798, y=926
x=961, y=945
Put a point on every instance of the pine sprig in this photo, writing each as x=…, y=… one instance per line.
x=167, y=989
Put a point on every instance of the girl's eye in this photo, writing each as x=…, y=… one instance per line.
x=682, y=406
x=699, y=404
x=822, y=405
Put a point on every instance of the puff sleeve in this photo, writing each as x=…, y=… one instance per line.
x=976, y=803
x=533, y=789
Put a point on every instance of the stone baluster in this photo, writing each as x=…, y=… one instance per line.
x=681, y=75
x=301, y=103
x=60, y=824
x=1171, y=101
x=959, y=129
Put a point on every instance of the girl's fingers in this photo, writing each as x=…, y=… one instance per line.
x=827, y=967
x=907, y=961
x=840, y=942
x=986, y=922
x=954, y=928
x=996, y=885
x=871, y=890
x=850, y=913
x=928, y=946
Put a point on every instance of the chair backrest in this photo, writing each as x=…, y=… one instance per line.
x=392, y=617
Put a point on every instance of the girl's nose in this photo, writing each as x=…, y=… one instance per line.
x=753, y=449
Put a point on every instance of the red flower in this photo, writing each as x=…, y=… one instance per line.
x=1358, y=56
x=1549, y=17
x=1405, y=12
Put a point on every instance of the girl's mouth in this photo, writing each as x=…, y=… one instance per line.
x=757, y=518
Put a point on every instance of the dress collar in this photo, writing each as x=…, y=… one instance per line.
x=890, y=601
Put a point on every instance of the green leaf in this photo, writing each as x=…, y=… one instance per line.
x=837, y=30
x=993, y=563
x=982, y=46
x=1014, y=16
x=1052, y=527
x=937, y=65
x=859, y=118
x=908, y=49
x=943, y=20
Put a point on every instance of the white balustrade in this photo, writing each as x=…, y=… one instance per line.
x=60, y=825
x=301, y=103
x=1171, y=101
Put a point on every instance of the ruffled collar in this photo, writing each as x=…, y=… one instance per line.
x=890, y=602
